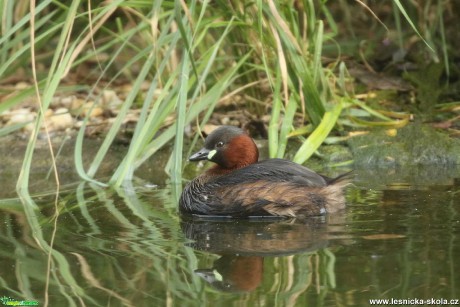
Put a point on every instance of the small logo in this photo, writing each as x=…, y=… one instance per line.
x=8, y=301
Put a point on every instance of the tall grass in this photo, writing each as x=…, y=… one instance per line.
x=190, y=54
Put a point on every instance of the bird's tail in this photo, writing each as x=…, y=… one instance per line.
x=335, y=199
x=341, y=180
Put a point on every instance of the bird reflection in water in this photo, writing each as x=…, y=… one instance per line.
x=243, y=244
x=234, y=273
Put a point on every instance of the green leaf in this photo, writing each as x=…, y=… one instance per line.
x=317, y=137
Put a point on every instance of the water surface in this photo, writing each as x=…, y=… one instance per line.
x=399, y=238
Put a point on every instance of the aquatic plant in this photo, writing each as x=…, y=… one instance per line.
x=180, y=60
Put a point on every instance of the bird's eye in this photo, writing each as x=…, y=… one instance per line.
x=220, y=144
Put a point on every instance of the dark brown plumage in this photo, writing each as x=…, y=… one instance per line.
x=239, y=186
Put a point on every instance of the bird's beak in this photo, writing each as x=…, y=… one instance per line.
x=202, y=154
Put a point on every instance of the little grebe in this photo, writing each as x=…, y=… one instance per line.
x=240, y=186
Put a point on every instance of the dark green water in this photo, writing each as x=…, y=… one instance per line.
x=398, y=238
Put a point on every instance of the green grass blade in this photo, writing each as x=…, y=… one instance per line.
x=9, y=129
x=403, y=11
x=176, y=170
x=273, y=126
x=317, y=137
x=286, y=126
x=53, y=80
x=443, y=39
x=18, y=98
x=78, y=153
x=122, y=114
x=317, y=64
x=21, y=53
x=206, y=102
